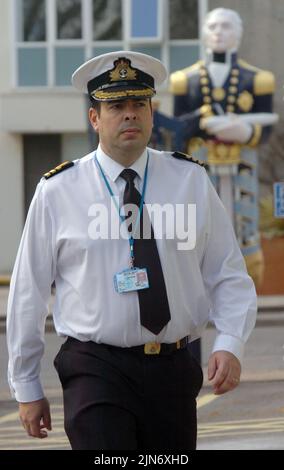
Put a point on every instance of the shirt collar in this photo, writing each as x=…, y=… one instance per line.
x=113, y=169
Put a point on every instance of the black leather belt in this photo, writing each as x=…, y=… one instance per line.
x=161, y=348
x=148, y=348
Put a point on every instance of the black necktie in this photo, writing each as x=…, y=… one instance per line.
x=153, y=302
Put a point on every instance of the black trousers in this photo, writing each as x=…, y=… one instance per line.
x=120, y=399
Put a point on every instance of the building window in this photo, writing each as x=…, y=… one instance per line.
x=67, y=59
x=69, y=19
x=144, y=19
x=183, y=17
x=32, y=20
x=32, y=66
x=53, y=37
x=107, y=20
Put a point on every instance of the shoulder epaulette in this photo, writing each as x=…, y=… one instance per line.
x=264, y=83
x=58, y=169
x=179, y=79
x=188, y=158
x=178, y=83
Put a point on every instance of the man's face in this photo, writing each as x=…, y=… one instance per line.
x=123, y=126
x=220, y=33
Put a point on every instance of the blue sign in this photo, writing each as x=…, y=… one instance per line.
x=279, y=200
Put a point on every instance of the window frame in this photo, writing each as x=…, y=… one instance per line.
x=127, y=42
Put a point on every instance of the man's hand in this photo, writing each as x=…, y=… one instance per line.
x=35, y=416
x=224, y=369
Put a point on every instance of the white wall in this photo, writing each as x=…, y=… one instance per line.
x=11, y=199
x=43, y=111
x=5, y=49
x=11, y=174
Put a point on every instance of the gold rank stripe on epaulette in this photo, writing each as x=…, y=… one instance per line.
x=58, y=169
x=188, y=158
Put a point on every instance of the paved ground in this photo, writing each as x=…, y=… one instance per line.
x=251, y=417
x=243, y=419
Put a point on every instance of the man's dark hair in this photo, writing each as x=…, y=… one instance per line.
x=96, y=105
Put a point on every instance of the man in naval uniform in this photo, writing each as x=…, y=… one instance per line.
x=128, y=303
x=223, y=100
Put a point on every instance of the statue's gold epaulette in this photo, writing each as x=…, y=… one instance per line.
x=188, y=158
x=58, y=169
x=263, y=83
x=179, y=79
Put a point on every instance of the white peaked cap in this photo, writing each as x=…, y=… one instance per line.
x=120, y=75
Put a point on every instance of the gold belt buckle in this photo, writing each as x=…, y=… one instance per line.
x=152, y=348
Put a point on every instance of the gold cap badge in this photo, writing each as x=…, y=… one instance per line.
x=122, y=71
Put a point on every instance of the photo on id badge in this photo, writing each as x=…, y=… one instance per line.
x=131, y=280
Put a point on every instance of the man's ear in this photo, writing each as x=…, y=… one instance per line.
x=94, y=117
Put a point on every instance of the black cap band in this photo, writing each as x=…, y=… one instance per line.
x=122, y=76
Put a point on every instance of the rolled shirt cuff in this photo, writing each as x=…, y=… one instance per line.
x=231, y=344
x=25, y=392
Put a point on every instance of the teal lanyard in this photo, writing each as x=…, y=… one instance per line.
x=131, y=239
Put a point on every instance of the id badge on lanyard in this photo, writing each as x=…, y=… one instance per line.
x=133, y=278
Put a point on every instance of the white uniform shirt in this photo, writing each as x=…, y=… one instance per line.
x=208, y=282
